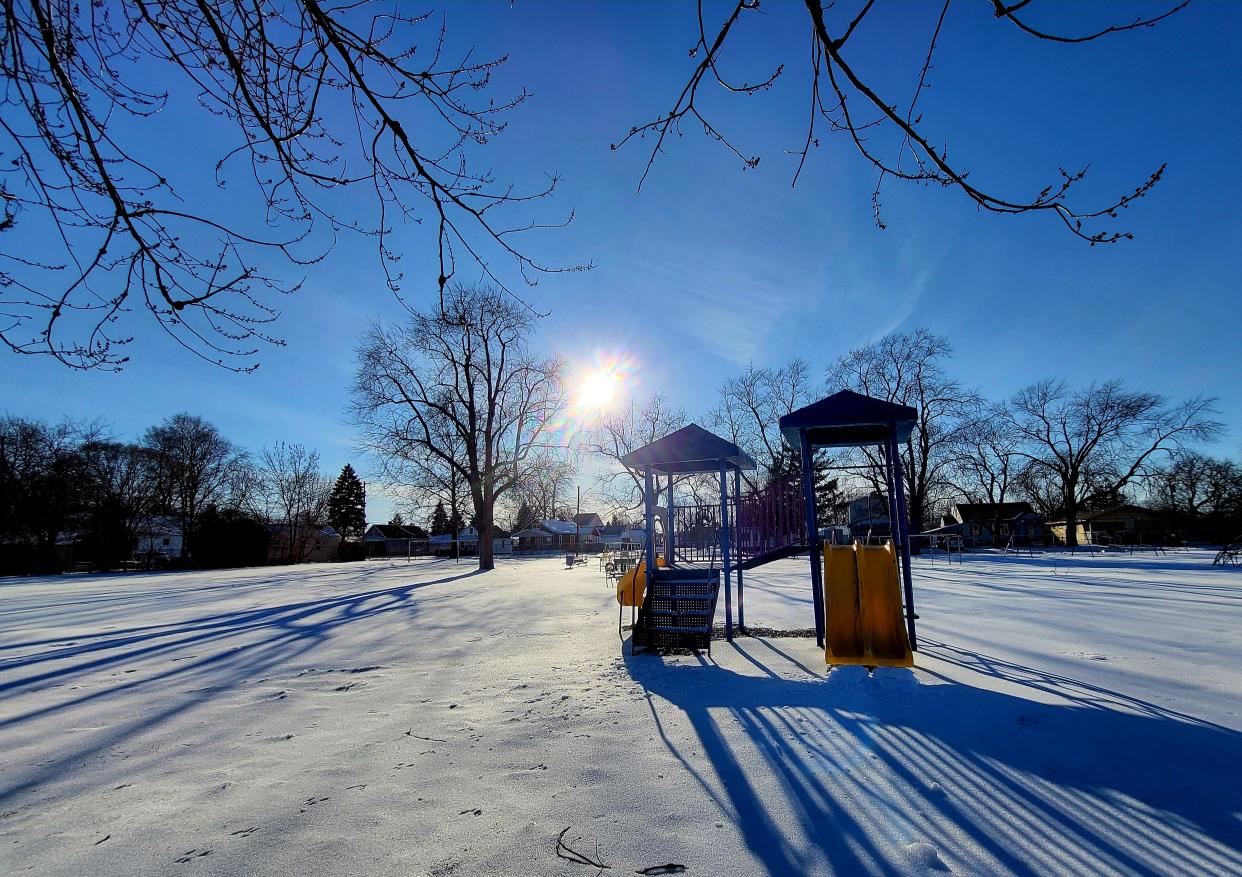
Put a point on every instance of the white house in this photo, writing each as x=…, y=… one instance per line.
x=468, y=542
x=161, y=538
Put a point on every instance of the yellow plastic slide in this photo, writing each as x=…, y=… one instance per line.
x=632, y=586
x=862, y=607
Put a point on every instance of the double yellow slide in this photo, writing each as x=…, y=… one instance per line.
x=862, y=607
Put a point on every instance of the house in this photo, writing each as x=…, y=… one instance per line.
x=532, y=539
x=868, y=516
x=1119, y=525
x=564, y=532
x=556, y=535
x=391, y=540
x=611, y=535
x=995, y=524
x=159, y=541
x=307, y=543
x=589, y=520
x=634, y=537
x=468, y=542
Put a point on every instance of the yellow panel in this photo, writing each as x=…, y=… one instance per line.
x=632, y=586
x=862, y=607
x=880, y=598
x=842, y=624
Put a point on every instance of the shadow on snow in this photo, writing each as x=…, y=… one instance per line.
x=1096, y=783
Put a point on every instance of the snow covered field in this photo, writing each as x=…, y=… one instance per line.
x=1068, y=715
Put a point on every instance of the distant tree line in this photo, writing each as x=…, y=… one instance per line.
x=73, y=494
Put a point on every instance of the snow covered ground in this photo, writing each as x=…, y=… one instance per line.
x=1068, y=715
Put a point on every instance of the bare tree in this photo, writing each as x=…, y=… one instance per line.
x=42, y=483
x=616, y=435
x=548, y=487
x=750, y=408
x=1097, y=440
x=123, y=493
x=296, y=494
x=196, y=466
x=908, y=369
x=319, y=96
x=986, y=462
x=460, y=388
x=887, y=129
x=1195, y=485
x=987, y=458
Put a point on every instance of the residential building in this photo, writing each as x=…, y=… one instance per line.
x=992, y=524
x=391, y=540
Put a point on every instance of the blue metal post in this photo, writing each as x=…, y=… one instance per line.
x=649, y=500
x=737, y=499
x=668, y=537
x=724, y=549
x=904, y=544
x=812, y=534
x=889, y=465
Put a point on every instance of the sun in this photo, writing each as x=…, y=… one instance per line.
x=597, y=389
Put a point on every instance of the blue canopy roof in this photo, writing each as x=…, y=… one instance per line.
x=689, y=450
x=848, y=419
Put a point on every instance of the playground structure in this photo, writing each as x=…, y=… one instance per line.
x=861, y=596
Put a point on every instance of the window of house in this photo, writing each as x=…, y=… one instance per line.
x=1004, y=529
x=166, y=540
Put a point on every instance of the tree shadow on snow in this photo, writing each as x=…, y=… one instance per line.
x=229, y=647
x=1094, y=783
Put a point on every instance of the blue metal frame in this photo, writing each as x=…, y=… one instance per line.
x=724, y=548
x=904, y=543
x=737, y=497
x=812, y=534
x=669, y=552
x=649, y=501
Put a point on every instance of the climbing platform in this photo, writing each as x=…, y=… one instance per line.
x=678, y=609
x=862, y=607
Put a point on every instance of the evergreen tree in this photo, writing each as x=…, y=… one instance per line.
x=396, y=520
x=525, y=518
x=439, y=521
x=347, y=504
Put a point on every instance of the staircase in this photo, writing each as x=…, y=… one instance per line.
x=678, y=610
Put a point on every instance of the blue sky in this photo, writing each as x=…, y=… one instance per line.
x=712, y=266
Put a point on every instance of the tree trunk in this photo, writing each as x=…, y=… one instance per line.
x=1071, y=518
x=487, y=528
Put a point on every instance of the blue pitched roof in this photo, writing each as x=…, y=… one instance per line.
x=848, y=419
x=689, y=450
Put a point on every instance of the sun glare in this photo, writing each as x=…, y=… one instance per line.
x=598, y=389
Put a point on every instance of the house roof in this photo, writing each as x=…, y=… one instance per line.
x=387, y=531
x=988, y=511
x=690, y=449
x=559, y=527
x=1115, y=513
x=588, y=519
x=532, y=533
x=848, y=419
